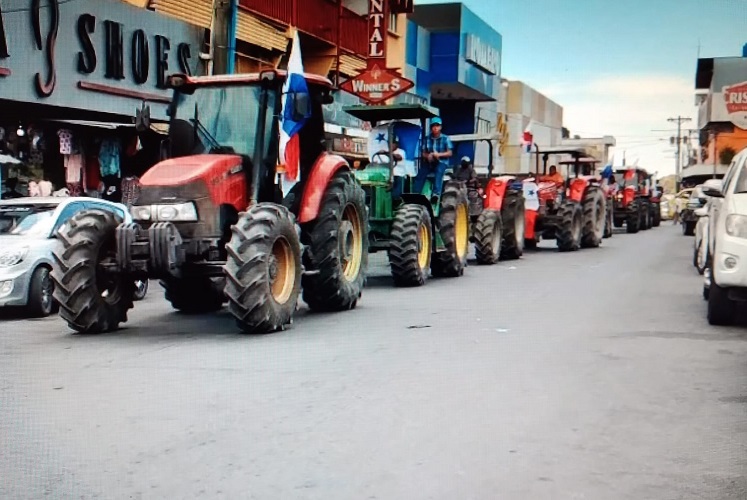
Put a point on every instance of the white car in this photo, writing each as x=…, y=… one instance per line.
x=702, y=228
x=725, y=283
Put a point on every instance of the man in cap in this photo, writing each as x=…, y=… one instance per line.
x=438, y=148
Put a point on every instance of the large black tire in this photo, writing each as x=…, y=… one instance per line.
x=194, y=295
x=263, y=269
x=454, y=214
x=633, y=222
x=488, y=234
x=40, y=299
x=337, y=253
x=688, y=228
x=721, y=309
x=530, y=244
x=90, y=300
x=655, y=214
x=609, y=220
x=512, y=215
x=571, y=226
x=595, y=210
x=141, y=290
x=410, y=247
x=645, y=215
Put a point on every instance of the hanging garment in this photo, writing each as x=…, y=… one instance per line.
x=74, y=168
x=109, y=157
x=75, y=188
x=66, y=142
x=92, y=172
x=45, y=188
x=130, y=190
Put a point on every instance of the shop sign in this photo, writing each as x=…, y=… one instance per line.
x=377, y=29
x=375, y=85
x=735, y=98
x=101, y=46
x=482, y=55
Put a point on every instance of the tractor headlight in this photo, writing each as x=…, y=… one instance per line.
x=141, y=213
x=736, y=225
x=12, y=257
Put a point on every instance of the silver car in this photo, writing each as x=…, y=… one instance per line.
x=27, y=230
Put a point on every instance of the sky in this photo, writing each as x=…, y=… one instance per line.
x=618, y=67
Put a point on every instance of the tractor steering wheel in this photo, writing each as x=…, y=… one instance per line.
x=385, y=155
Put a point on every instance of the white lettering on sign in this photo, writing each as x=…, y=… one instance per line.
x=377, y=29
x=483, y=55
x=360, y=86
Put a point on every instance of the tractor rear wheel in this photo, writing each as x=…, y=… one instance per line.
x=512, y=215
x=488, y=237
x=91, y=300
x=453, y=221
x=633, y=222
x=595, y=208
x=194, y=295
x=656, y=215
x=571, y=226
x=337, y=253
x=263, y=269
x=645, y=215
x=411, y=246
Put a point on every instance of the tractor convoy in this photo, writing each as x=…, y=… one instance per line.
x=214, y=225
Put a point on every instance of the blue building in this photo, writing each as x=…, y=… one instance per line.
x=454, y=58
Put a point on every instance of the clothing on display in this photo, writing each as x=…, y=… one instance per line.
x=112, y=188
x=74, y=168
x=92, y=173
x=66, y=142
x=109, y=157
x=45, y=188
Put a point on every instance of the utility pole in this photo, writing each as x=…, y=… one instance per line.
x=680, y=120
x=219, y=36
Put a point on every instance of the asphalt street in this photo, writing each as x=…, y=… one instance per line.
x=590, y=375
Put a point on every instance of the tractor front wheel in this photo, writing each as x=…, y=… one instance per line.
x=454, y=229
x=91, y=299
x=571, y=226
x=594, y=208
x=512, y=215
x=263, y=269
x=633, y=222
x=411, y=246
x=488, y=235
x=337, y=253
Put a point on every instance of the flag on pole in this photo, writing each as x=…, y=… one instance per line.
x=295, y=86
x=527, y=140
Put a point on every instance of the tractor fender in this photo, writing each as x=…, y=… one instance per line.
x=495, y=192
x=325, y=167
x=419, y=199
x=577, y=189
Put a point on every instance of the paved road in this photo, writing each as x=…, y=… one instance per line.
x=589, y=375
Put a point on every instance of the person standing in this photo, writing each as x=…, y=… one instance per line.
x=438, y=147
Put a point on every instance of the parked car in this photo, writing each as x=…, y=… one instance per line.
x=702, y=228
x=688, y=219
x=27, y=230
x=725, y=277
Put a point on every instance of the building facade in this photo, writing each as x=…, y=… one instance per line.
x=721, y=97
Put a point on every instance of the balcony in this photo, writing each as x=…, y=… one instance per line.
x=318, y=18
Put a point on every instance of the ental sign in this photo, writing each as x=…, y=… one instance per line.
x=377, y=29
x=375, y=85
x=735, y=97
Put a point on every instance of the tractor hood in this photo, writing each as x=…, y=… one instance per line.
x=188, y=169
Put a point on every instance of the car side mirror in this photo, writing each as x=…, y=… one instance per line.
x=701, y=212
x=712, y=192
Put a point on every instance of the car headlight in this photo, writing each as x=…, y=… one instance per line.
x=12, y=257
x=736, y=225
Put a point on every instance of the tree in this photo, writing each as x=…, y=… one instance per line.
x=726, y=155
x=566, y=133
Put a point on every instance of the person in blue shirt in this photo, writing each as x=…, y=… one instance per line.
x=438, y=148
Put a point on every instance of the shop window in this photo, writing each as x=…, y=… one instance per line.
x=393, y=23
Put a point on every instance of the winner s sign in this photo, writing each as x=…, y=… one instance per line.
x=735, y=97
x=375, y=85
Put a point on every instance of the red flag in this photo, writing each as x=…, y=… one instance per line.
x=292, y=158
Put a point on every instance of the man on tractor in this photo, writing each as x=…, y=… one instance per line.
x=554, y=176
x=437, y=147
x=466, y=172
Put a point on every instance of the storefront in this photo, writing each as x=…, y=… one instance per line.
x=454, y=58
x=73, y=76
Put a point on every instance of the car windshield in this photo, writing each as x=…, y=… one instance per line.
x=26, y=220
x=225, y=118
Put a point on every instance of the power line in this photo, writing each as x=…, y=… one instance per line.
x=679, y=120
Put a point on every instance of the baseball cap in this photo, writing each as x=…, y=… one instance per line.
x=436, y=121
x=466, y=159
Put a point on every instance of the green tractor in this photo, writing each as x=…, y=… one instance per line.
x=423, y=235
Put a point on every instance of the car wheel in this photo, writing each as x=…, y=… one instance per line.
x=40, y=300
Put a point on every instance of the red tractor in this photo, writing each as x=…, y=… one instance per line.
x=496, y=209
x=212, y=222
x=633, y=201
x=572, y=212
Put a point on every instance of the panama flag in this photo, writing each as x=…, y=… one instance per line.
x=527, y=139
x=290, y=151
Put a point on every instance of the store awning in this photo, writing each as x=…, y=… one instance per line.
x=160, y=128
x=703, y=170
